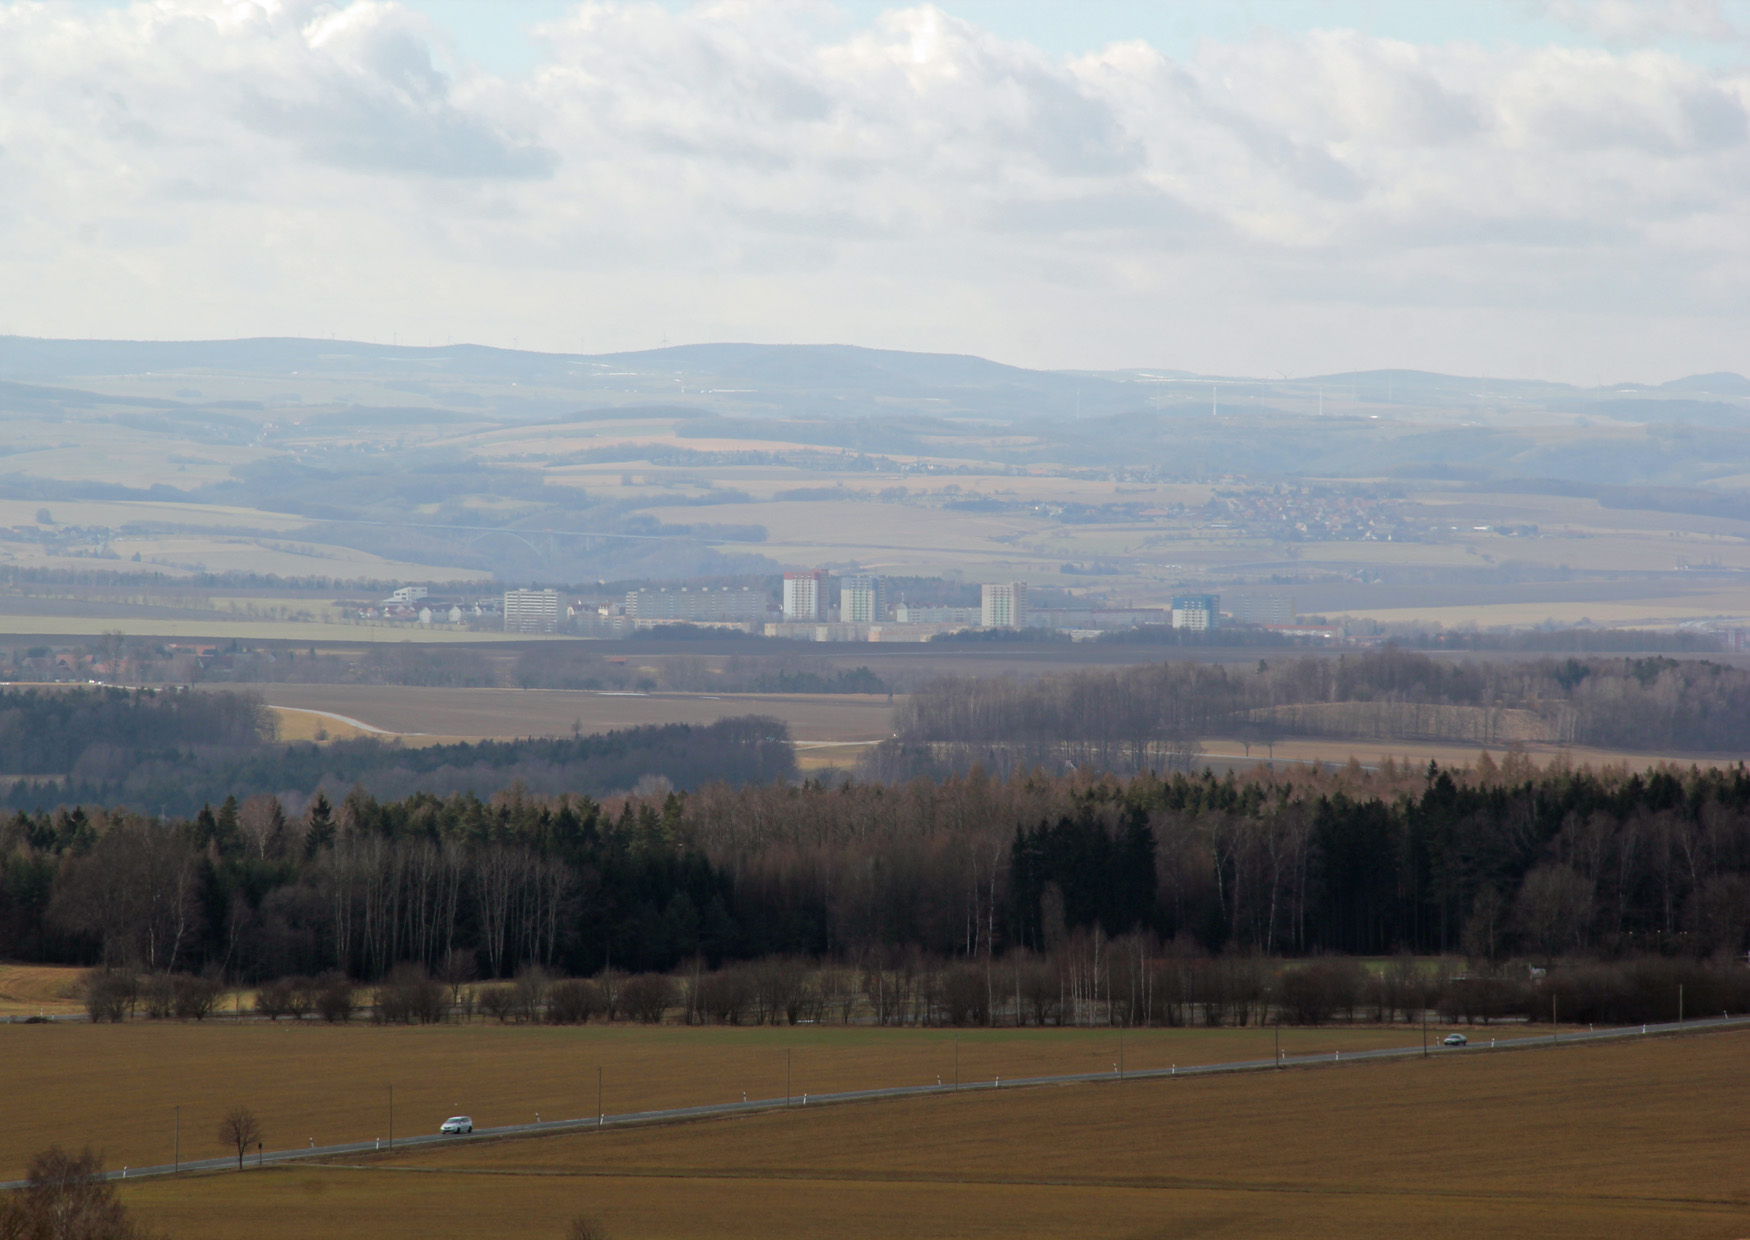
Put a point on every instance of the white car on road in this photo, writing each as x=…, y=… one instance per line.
x=457, y=1123
x=1455, y=1039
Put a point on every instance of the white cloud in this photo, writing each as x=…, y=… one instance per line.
x=755, y=170
x=1637, y=22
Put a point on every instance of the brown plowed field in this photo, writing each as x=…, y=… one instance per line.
x=114, y=1087
x=1638, y=1141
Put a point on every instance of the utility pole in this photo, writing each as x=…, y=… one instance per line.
x=1121, y=1052
x=391, y=1117
x=600, y=1114
x=176, y=1167
x=1680, y=1003
x=956, y=1061
x=1424, y=1029
x=786, y=1076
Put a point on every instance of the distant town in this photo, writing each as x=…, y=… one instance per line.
x=818, y=606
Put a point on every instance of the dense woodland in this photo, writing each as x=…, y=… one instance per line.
x=1154, y=716
x=170, y=751
x=1498, y=861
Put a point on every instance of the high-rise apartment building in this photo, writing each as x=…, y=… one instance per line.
x=805, y=595
x=1197, y=612
x=862, y=600
x=531, y=611
x=1005, y=605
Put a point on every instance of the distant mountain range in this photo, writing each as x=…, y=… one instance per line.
x=787, y=380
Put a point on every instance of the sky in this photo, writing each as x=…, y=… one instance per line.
x=1551, y=189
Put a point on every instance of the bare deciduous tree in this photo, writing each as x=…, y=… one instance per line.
x=241, y=1129
x=65, y=1197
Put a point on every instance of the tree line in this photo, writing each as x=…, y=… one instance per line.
x=1154, y=716
x=1492, y=862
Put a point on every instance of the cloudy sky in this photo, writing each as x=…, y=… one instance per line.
x=1554, y=189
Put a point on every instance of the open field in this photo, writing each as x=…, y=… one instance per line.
x=1628, y=1141
x=26, y=989
x=301, y=633
x=115, y=1086
x=832, y=730
x=319, y=725
x=1224, y=754
x=469, y=713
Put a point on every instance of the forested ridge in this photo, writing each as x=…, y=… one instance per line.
x=168, y=751
x=1493, y=861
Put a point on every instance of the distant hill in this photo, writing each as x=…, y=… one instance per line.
x=787, y=380
x=1720, y=383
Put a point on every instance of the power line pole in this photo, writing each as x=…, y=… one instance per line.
x=600, y=1114
x=176, y=1166
x=391, y=1117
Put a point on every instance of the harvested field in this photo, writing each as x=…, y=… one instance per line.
x=114, y=1086
x=1628, y=1141
x=26, y=989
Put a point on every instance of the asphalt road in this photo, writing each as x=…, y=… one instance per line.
x=425, y=1140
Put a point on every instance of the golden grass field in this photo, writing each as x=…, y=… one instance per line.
x=115, y=1086
x=317, y=725
x=1637, y=1141
x=27, y=989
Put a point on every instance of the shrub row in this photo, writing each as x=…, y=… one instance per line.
x=1118, y=986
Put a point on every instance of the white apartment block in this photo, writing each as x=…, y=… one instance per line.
x=805, y=596
x=1005, y=605
x=1197, y=613
x=702, y=606
x=964, y=617
x=531, y=611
